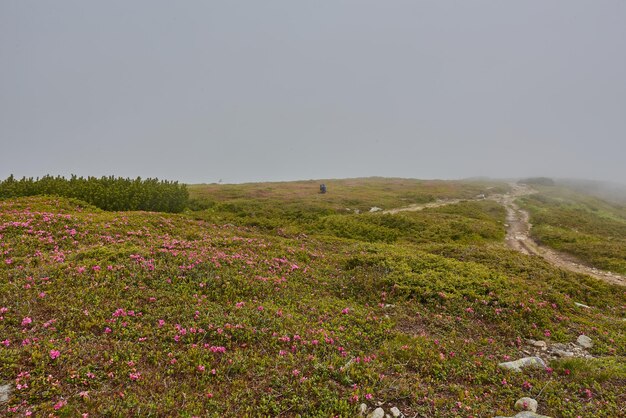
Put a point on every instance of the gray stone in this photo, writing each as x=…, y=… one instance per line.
x=526, y=404
x=563, y=353
x=538, y=344
x=375, y=209
x=517, y=365
x=584, y=341
x=377, y=413
x=581, y=305
x=526, y=414
x=5, y=391
x=395, y=412
x=363, y=408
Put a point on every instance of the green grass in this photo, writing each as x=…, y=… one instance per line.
x=297, y=316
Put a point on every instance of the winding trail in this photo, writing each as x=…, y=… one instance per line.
x=518, y=233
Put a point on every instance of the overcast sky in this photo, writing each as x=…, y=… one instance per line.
x=199, y=91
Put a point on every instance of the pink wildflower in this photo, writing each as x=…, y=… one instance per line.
x=60, y=404
x=54, y=354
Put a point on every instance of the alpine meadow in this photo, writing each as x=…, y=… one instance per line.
x=313, y=209
x=270, y=299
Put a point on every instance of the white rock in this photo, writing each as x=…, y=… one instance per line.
x=517, y=365
x=363, y=408
x=375, y=209
x=526, y=404
x=5, y=391
x=395, y=412
x=584, y=341
x=377, y=413
x=580, y=305
x=526, y=414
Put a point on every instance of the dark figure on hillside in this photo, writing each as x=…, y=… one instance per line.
x=322, y=188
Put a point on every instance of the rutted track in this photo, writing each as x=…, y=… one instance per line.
x=518, y=233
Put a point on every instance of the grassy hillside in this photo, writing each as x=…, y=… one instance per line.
x=270, y=303
x=587, y=227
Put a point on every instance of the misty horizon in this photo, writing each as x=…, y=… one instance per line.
x=280, y=91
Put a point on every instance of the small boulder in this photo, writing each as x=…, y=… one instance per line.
x=526, y=414
x=395, y=412
x=517, y=365
x=375, y=209
x=526, y=404
x=538, y=344
x=5, y=391
x=563, y=353
x=377, y=413
x=363, y=408
x=584, y=341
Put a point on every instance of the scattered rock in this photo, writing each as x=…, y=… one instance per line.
x=580, y=305
x=517, y=365
x=375, y=209
x=5, y=391
x=526, y=404
x=584, y=341
x=395, y=412
x=555, y=350
x=526, y=414
x=538, y=344
x=363, y=408
x=563, y=353
x=377, y=413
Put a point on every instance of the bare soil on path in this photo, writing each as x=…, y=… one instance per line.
x=518, y=233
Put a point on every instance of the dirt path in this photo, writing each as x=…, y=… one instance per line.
x=518, y=233
x=518, y=238
x=421, y=206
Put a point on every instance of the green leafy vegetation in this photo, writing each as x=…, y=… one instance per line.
x=290, y=305
x=108, y=193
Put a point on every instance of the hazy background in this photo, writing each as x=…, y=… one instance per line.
x=200, y=91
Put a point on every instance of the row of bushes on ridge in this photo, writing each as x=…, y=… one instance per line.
x=108, y=193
